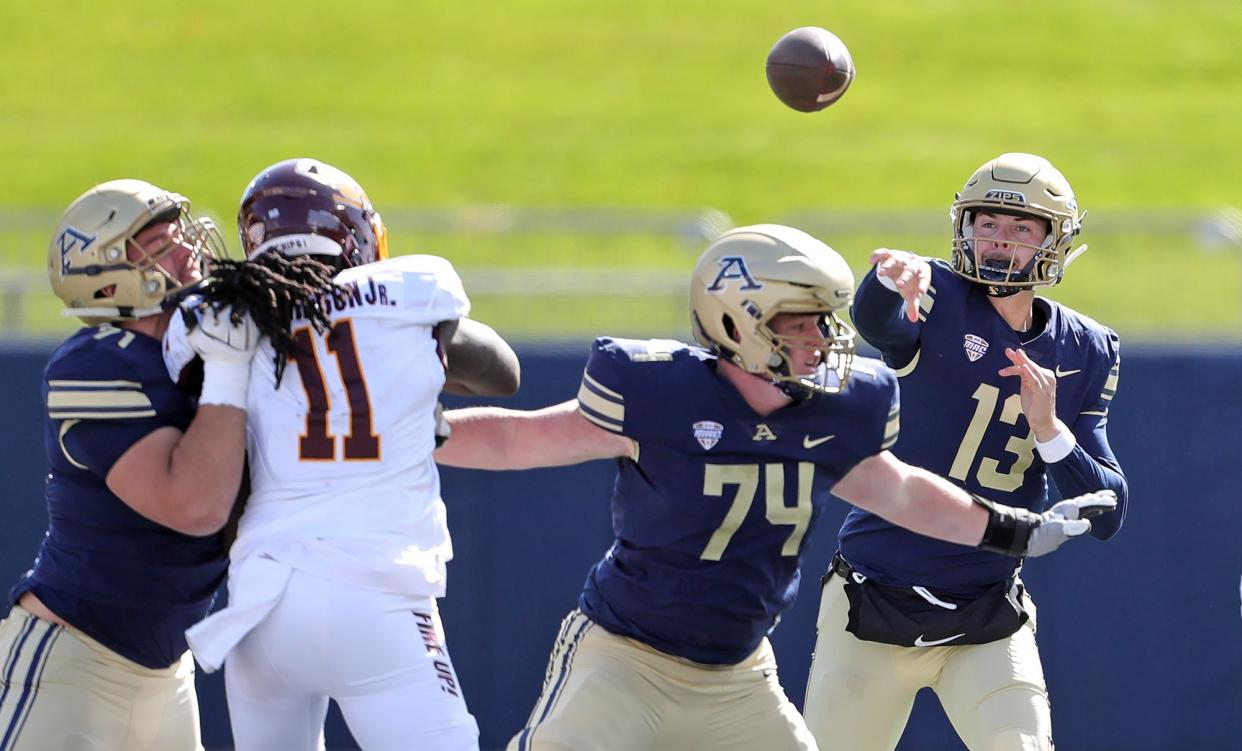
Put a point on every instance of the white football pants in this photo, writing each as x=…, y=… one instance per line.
x=381, y=656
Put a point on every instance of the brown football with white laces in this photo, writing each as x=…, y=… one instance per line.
x=809, y=68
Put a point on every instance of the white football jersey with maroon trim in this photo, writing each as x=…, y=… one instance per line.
x=342, y=480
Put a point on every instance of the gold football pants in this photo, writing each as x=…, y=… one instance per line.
x=604, y=692
x=860, y=693
x=60, y=689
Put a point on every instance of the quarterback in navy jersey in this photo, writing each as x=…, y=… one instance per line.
x=962, y=342
x=1009, y=390
x=725, y=453
x=143, y=477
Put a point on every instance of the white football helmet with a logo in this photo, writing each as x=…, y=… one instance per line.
x=88, y=261
x=1022, y=185
x=750, y=275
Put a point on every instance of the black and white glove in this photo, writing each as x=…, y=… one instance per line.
x=226, y=342
x=1021, y=533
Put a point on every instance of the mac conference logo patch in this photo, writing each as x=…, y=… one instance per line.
x=975, y=346
x=708, y=433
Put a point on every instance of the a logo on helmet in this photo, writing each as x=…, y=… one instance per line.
x=72, y=239
x=1005, y=195
x=733, y=267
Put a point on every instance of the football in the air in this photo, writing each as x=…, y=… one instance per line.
x=809, y=68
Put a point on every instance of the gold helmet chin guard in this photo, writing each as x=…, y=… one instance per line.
x=1024, y=185
x=750, y=275
x=88, y=258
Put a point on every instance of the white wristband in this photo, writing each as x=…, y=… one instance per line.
x=885, y=282
x=225, y=382
x=1058, y=448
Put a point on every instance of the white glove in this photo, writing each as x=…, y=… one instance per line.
x=443, y=430
x=1087, y=506
x=226, y=347
x=177, y=350
x=1068, y=519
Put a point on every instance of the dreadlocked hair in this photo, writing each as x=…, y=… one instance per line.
x=274, y=290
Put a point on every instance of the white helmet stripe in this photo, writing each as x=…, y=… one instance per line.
x=298, y=245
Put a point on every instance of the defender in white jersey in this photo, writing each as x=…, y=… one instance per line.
x=341, y=551
x=340, y=450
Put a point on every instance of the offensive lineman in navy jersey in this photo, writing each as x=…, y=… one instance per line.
x=1009, y=389
x=725, y=453
x=142, y=480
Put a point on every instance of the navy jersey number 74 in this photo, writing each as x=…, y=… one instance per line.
x=712, y=515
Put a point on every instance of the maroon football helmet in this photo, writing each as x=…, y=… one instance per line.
x=304, y=206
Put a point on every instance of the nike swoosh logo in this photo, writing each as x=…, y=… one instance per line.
x=919, y=642
x=1063, y=373
x=810, y=443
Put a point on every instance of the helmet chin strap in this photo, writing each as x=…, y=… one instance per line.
x=995, y=287
x=794, y=388
x=995, y=291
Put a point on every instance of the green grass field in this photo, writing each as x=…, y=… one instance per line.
x=646, y=105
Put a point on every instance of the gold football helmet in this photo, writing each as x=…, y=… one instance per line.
x=750, y=275
x=1022, y=185
x=88, y=260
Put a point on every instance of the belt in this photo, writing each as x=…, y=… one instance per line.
x=843, y=569
x=838, y=566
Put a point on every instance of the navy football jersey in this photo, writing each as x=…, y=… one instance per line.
x=712, y=516
x=964, y=421
x=131, y=584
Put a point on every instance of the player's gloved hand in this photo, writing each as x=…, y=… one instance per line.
x=178, y=354
x=1086, y=506
x=1018, y=532
x=1068, y=519
x=226, y=341
x=443, y=429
